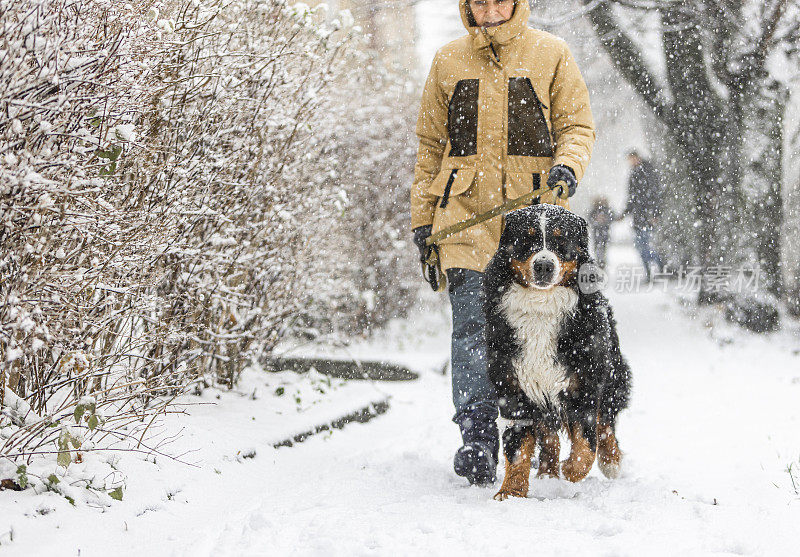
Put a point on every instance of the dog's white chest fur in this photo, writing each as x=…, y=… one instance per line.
x=536, y=317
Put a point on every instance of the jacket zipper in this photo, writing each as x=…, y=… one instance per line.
x=446, y=196
x=491, y=46
x=496, y=57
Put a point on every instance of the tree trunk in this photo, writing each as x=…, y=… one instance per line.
x=697, y=120
x=762, y=150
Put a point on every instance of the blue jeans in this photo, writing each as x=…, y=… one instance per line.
x=473, y=393
x=641, y=240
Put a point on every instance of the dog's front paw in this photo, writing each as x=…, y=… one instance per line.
x=548, y=467
x=611, y=470
x=576, y=467
x=581, y=456
x=611, y=465
x=504, y=494
x=609, y=456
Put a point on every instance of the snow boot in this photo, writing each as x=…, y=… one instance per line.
x=477, y=459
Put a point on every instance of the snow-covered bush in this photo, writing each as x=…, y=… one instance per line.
x=167, y=196
x=75, y=260
x=371, y=157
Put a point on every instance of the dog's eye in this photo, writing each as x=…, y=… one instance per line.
x=521, y=250
x=564, y=247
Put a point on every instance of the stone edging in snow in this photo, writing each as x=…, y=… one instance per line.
x=341, y=368
x=362, y=415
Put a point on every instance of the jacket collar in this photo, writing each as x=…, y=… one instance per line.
x=502, y=34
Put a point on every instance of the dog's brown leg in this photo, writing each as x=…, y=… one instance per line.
x=549, y=449
x=581, y=456
x=609, y=457
x=515, y=484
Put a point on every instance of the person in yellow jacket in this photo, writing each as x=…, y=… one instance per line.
x=504, y=110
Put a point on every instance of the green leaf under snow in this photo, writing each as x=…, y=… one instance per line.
x=53, y=479
x=63, y=440
x=64, y=458
x=116, y=494
x=92, y=423
x=108, y=170
x=22, y=476
x=112, y=154
x=79, y=411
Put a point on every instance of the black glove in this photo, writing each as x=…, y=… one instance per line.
x=421, y=233
x=563, y=173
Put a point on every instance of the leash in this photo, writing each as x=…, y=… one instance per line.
x=431, y=269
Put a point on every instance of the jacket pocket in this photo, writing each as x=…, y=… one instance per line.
x=451, y=181
x=458, y=201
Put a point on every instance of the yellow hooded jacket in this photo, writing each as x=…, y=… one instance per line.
x=501, y=106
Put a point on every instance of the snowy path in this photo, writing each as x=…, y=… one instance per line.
x=709, y=435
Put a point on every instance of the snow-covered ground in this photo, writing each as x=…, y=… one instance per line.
x=712, y=428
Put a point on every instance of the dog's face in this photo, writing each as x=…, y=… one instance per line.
x=544, y=245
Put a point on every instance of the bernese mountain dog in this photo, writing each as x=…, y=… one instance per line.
x=553, y=350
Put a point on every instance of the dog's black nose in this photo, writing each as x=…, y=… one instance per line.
x=543, y=267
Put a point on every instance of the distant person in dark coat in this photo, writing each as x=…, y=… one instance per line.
x=600, y=218
x=643, y=206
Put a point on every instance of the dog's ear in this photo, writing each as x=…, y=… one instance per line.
x=583, y=241
x=511, y=223
x=584, y=234
x=507, y=234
